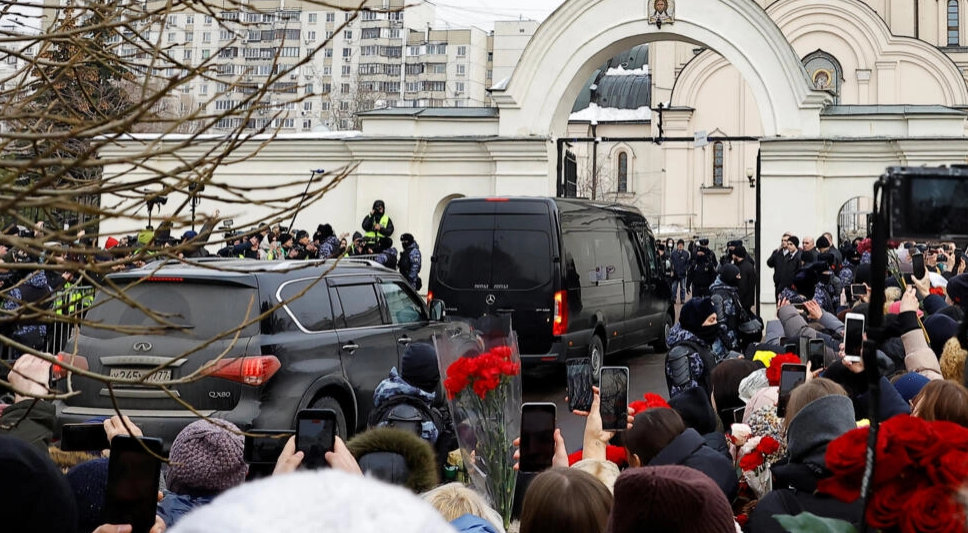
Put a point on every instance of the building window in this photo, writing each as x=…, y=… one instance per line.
x=718, y=164
x=330, y=17
x=623, y=172
x=312, y=18
x=825, y=72
x=953, y=37
x=461, y=51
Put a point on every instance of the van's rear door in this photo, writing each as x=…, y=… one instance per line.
x=497, y=257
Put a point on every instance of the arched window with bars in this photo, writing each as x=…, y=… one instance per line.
x=954, y=28
x=717, y=164
x=623, y=172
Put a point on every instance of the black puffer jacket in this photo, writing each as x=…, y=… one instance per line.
x=697, y=412
x=689, y=449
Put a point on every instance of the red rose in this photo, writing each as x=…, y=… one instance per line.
x=503, y=352
x=932, y=510
x=846, y=455
x=843, y=488
x=768, y=445
x=773, y=372
x=951, y=435
x=751, y=461
x=911, y=432
x=742, y=519
x=951, y=469
x=887, y=503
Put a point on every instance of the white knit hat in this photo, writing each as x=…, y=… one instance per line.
x=325, y=501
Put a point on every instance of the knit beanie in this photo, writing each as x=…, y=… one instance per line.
x=729, y=274
x=953, y=361
x=940, y=328
x=822, y=242
x=694, y=313
x=89, y=482
x=669, y=499
x=740, y=252
x=418, y=366
x=321, y=501
x=910, y=384
x=34, y=496
x=206, y=457
x=958, y=290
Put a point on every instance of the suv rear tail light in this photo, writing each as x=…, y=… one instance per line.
x=496, y=200
x=254, y=370
x=430, y=297
x=77, y=361
x=162, y=279
x=560, y=321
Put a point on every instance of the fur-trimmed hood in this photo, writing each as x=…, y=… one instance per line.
x=417, y=454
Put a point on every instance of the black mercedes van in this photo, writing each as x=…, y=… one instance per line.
x=579, y=278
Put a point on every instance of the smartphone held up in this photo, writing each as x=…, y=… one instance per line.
x=579, y=373
x=538, y=422
x=614, y=384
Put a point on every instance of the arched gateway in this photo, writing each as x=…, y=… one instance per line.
x=582, y=34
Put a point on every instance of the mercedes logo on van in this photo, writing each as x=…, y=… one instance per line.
x=142, y=346
x=490, y=299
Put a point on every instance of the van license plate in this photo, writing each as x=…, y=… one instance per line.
x=137, y=373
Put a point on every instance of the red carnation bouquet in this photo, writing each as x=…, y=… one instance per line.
x=484, y=390
x=756, y=454
x=920, y=468
x=776, y=364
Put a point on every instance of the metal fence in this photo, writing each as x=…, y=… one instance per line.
x=67, y=305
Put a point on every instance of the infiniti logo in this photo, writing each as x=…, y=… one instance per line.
x=490, y=299
x=142, y=346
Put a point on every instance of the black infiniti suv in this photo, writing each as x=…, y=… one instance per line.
x=336, y=331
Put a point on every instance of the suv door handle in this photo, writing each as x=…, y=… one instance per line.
x=404, y=341
x=351, y=347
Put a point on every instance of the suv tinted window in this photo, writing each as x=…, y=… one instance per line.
x=403, y=309
x=360, y=306
x=211, y=310
x=307, y=302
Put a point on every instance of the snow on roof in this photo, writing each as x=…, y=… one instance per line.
x=611, y=114
x=307, y=135
x=620, y=71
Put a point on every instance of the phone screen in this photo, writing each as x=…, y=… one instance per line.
x=917, y=260
x=315, y=435
x=817, y=354
x=265, y=448
x=615, y=398
x=579, y=384
x=537, y=436
x=853, y=336
x=790, y=377
x=83, y=438
x=857, y=291
x=132, y=490
x=791, y=348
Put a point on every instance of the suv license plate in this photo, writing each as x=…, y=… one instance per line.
x=135, y=373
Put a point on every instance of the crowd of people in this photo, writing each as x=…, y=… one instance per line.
x=716, y=456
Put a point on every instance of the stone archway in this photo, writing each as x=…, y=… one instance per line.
x=582, y=34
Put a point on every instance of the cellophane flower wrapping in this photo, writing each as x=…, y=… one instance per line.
x=482, y=379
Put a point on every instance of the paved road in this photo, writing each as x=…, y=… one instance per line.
x=543, y=384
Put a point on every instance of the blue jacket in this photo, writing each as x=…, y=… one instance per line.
x=32, y=291
x=680, y=263
x=173, y=507
x=473, y=524
x=329, y=247
x=410, y=263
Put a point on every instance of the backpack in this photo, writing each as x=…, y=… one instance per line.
x=406, y=412
x=678, y=370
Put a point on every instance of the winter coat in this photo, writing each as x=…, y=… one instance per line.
x=918, y=355
x=385, y=231
x=747, y=283
x=33, y=290
x=784, y=267
x=473, y=524
x=387, y=258
x=795, y=483
x=689, y=449
x=680, y=263
x=329, y=248
x=702, y=273
x=698, y=364
x=410, y=263
x=30, y=421
x=726, y=301
x=396, y=386
x=174, y=506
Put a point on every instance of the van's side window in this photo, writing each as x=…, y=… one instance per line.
x=650, y=258
x=634, y=262
x=598, y=256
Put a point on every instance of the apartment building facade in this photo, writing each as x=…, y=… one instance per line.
x=323, y=64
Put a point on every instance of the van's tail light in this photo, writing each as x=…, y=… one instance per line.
x=430, y=297
x=560, y=322
x=77, y=361
x=254, y=370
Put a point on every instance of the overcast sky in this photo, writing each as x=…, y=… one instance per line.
x=483, y=13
